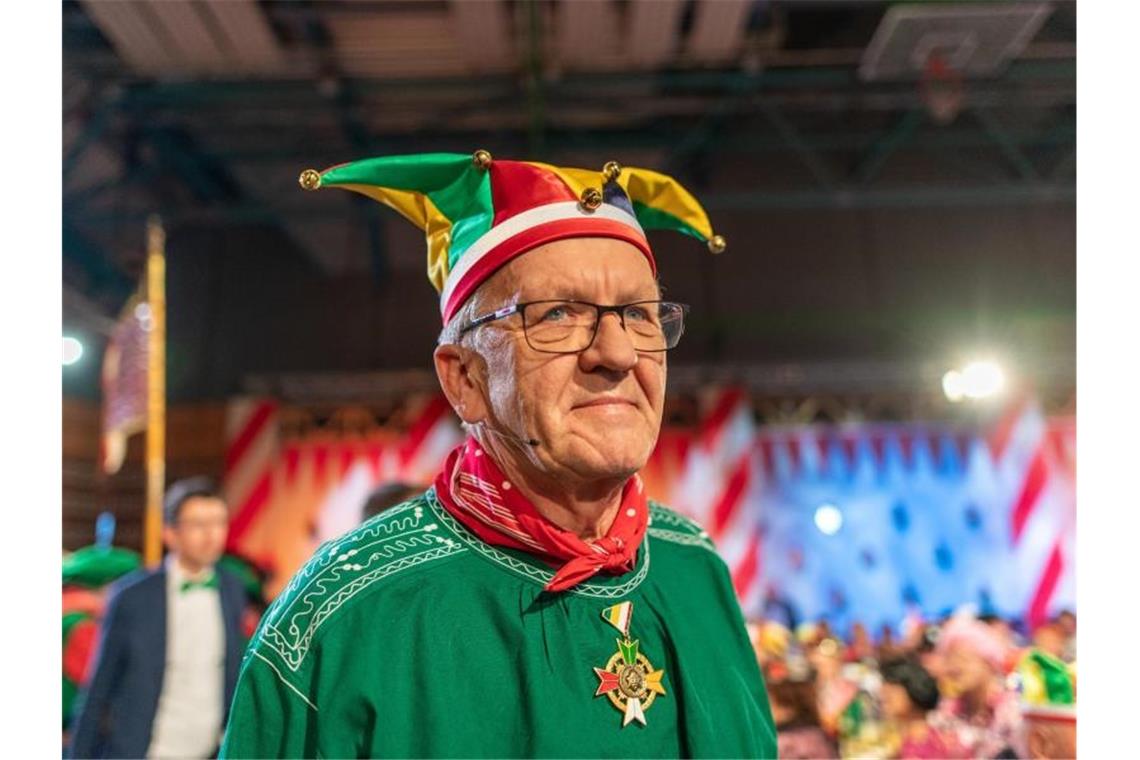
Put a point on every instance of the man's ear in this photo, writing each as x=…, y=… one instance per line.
x=458, y=371
x=169, y=537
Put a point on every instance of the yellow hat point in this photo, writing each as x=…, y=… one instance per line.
x=310, y=179
x=611, y=171
x=591, y=198
x=717, y=244
x=482, y=158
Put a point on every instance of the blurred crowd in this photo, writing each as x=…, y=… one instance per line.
x=965, y=686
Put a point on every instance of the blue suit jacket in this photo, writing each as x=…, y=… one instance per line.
x=118, y=708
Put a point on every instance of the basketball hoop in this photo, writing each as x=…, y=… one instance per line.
x=942, y=89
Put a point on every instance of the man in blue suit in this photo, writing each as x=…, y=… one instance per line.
x=171, y=643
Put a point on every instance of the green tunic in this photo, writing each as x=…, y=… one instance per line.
x=410, y=637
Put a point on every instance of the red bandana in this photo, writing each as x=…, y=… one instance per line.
x=474, y=491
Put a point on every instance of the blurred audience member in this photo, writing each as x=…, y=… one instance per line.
x=779, y=608
x=1067, y=622
x=981, y=710
x=908, y=695
x=1049, y=638
x=386, y=497
x=808, y=634
x=1049, y=705
x=171, y=643
x=1002, y=628
x=770, y=641
x=798, y=730
x=888, y=649
x=861, y=647
x=947, y=690
x=833, y=692
x=926, y=649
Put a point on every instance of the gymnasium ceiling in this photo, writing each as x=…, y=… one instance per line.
x=205, y=112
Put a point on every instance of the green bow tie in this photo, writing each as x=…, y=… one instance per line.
x=211, y=582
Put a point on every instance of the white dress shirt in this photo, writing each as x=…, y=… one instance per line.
x=188, y=722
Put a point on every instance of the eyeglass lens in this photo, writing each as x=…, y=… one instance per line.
x=569, y=326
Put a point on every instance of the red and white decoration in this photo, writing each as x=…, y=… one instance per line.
x=932, y=515
x=1035, y=464
x=719, y=488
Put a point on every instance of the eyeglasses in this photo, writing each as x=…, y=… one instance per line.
x=568, y=327
x=202, y=524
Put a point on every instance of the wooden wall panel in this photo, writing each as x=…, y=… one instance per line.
x=195, y=445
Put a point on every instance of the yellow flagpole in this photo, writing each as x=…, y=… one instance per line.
x=156, y=390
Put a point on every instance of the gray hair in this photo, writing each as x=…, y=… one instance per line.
x=476, y=305
x=467, y=312
x=451, y=332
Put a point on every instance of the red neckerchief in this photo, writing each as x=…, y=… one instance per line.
x=474, y=491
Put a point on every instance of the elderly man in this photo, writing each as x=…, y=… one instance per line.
x=533, y=601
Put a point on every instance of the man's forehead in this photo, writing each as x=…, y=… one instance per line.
x=586, y=288
x=203, y=502
x=583, y=268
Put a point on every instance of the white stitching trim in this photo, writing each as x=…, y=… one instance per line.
x=296, y=691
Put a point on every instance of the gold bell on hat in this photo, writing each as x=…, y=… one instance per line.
x=481, y=158
x=717, y=244
x=611, y=171
x=591, y=198
x=310, y=179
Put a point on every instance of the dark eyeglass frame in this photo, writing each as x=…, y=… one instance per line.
x=599, y=310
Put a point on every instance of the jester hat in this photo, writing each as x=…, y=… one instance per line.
x=478, y=213
x=1048, y=687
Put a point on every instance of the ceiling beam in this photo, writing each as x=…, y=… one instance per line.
x=718, y=30
x=253, y=47
x=1009, y=147
x=815, y=164
x=652, y=30
x=589, y=35
x=885, y=146
x=483, y=29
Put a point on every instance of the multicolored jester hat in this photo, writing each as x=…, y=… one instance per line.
x=478, y=213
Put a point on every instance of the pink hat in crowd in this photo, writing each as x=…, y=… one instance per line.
x=977, y=636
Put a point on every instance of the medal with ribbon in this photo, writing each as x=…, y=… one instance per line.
x=628, y=679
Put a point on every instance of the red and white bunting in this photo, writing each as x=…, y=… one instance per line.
x=1042, y=511
x=717, y=487
x=251, y=454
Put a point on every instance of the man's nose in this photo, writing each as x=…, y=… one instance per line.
x=612, y=348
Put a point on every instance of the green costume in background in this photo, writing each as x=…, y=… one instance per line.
x=411, y=637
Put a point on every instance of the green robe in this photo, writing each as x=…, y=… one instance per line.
x=410, y=637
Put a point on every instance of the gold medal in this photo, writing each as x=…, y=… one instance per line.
x=628, y=680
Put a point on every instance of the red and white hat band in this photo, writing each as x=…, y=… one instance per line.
x=530, y=229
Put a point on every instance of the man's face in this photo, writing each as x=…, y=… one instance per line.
x=1050, y=639
x=896, y=702
x=198, y=536
x=965, y=668
x=596, y=414
x=1068, y=623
